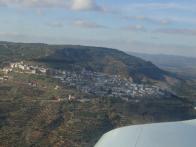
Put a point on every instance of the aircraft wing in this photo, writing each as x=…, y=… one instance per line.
x=174, y=134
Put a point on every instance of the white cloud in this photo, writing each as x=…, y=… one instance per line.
x=34, y=3
x=84, y=5
x=8, y=34
x=56, y=24
x=2, y=4
x=136, y=28
x=176, y=31
x=12, y=36
x=76, y=5
x=157, y=5
x=148, y=19
x=87, y=24
x=162, y=5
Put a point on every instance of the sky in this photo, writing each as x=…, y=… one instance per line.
x=145, y=26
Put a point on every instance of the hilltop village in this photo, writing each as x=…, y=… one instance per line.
x=93, y=83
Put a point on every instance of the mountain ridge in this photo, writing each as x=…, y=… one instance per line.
x=77, y=57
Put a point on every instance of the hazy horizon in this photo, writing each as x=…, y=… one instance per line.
x=154, y=27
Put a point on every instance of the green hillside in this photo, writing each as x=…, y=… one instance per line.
x=76, y=58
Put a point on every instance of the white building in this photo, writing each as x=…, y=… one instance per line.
x=42, y=70
x=22, y=67
x=7, y=70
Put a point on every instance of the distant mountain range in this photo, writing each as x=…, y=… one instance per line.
x=184, y=66
x=72, y=57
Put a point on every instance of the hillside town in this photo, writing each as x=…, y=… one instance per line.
x=104, y=85
x=93, y=83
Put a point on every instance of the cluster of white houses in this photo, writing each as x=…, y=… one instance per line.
x=100, y=84
x=24, y=68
